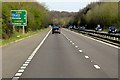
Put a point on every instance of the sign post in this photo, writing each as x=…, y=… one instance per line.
x=23, y=29
x=19, y=18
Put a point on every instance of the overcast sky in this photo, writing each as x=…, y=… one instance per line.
x=66, y=5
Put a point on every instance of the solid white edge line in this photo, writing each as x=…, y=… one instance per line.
x=96, y=40
x=17, y=75
x=41, y=43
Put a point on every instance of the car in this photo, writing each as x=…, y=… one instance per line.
x=98, y=28
x=70, y=27
x=56, y=29
x=112, y=29
x=75, y=27
x=82, y=28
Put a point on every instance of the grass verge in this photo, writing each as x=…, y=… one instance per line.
x=18, y=36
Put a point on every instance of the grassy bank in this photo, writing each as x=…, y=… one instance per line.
x=18, y=36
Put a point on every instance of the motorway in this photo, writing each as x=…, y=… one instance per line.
x=65, y=55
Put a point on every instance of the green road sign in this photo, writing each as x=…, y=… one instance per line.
x=19, y=17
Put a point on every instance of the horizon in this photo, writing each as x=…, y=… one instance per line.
x=67, y=6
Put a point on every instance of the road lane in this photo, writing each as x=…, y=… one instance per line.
x=14, y=55
x=102, y=54
x=58, y=58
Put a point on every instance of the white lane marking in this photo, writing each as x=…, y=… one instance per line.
x=24, y=66
x=73, y=43
x=41, y=43
x=18, y=74
x=20, y=71
x=32, y=55
x=96, y=40
x=96, y=66
x=86, y=57
x=68, y=39
x=27, y=62
x=15, y=78
x=30, y=58
x=80, y=51
x=76, y=46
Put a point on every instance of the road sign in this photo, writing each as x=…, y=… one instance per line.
x=19, y=17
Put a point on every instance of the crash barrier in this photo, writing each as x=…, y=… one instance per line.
x=115, y=38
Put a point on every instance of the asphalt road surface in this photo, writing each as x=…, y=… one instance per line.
x=66, y=55
x=15, y=54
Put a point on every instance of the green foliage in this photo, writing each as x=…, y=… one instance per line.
x=36, y=16
x=105, y=13
x=17, y=36
x=62, y=18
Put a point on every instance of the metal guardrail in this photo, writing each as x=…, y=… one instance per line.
x=115, y=38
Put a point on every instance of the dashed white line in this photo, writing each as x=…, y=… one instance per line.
x=96, y=66
x=80, y=51
x=18, y=74
x=32, y=55
x=69, y=39
x=27, y=62
x=21, y=71
x=96, y=40
x=73, y=43
x=86, y=57
x=25, y=65
x=30, y=58
x=15, y=78
x=76, y=46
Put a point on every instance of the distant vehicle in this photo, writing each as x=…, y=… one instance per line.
x=70, y=27
x=98, y=28
x=82, y=28
x=112, y=29
x=75, y=27
x=56, y=29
